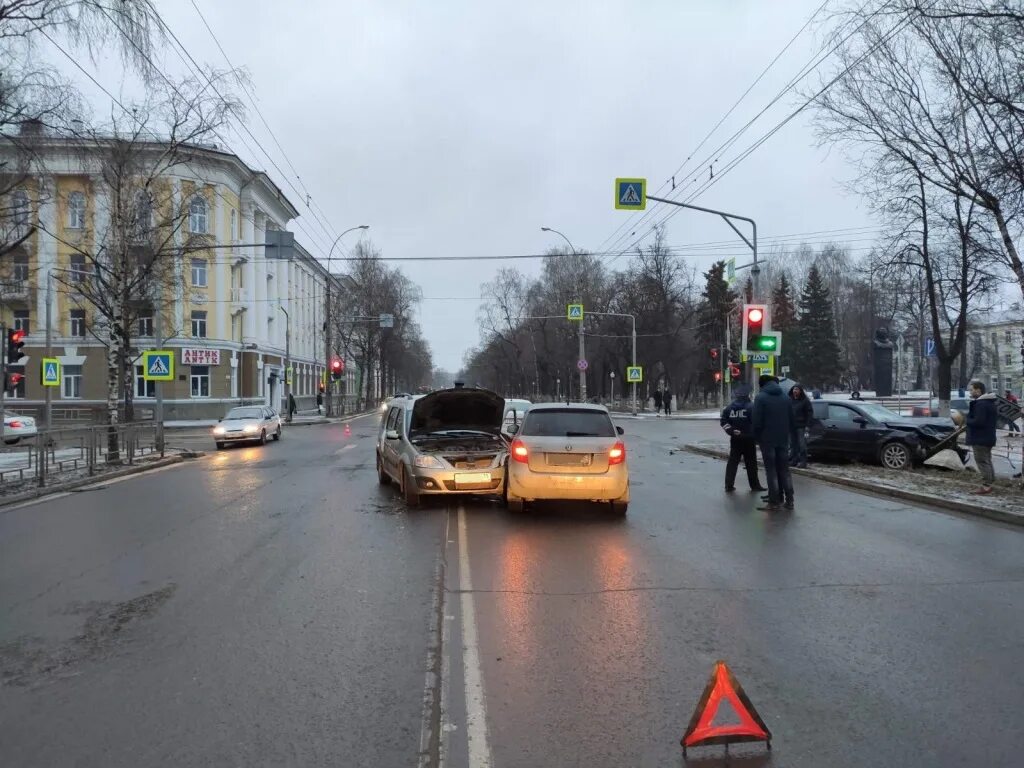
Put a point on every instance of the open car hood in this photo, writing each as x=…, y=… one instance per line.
x=460, y=408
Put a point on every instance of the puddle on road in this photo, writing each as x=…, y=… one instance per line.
x=29, y=661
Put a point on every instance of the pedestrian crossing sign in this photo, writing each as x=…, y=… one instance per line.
x=574, y=312
x=158, y=365
x=631, y=194
x=51, y=372
x=634, y=374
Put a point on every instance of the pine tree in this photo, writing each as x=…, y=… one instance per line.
x=816, y=361
x=784, y=317
x=717, y=302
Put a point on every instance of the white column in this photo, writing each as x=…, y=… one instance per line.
x=249, y=273
x=259, y=288
x=46, y=250
x=221, y=269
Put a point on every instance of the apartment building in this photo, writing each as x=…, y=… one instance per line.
x=231, y=312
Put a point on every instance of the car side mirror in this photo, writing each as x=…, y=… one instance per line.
x=513, y=429
x=391, y=434
x=620, y=430
x=860, y=420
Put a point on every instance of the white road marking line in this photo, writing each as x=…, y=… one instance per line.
x=343, y=449
x=476, y=710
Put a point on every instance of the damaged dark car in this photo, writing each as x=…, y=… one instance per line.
x=447, y=442
x=871, y=432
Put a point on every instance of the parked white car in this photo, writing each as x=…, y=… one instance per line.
x=17, y=427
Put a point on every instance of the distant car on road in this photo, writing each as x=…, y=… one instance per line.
x=446, y=442
x=18, y=427
x=871, y=432
x=959, y=405
x=248, y=423
x=568, y=452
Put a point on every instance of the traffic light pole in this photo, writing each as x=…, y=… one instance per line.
x=48, y=394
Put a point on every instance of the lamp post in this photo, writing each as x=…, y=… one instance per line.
x=579, y=298
x=287, y=363
x=327, y=310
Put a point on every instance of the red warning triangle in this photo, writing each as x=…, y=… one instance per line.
x=701, y=730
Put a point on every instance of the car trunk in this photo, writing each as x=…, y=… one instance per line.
x=569, y=455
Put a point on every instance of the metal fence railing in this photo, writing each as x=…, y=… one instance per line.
x=87, y=450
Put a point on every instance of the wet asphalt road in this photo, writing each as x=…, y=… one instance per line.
x=274, y=606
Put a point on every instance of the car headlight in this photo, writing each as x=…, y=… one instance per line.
x=218, y=430
x=250, y=429
x=383, y=406
x=427, y=461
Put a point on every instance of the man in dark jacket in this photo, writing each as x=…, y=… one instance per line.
x=803, y=413
x=736, y=421
x=772, y=425
x=657, y=401
x=666, y=400
x=981, y=433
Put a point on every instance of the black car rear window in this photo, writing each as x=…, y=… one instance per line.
x=567, y=422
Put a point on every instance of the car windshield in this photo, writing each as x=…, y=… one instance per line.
x=243, y=413
x=879, y=412
x=567, y=422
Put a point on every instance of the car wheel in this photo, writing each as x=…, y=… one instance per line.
x=895, y=455
x=412, y=499
x=220, y=446
x=263, y=437
x=382, y=476
x=277, y=435
x=619, y=508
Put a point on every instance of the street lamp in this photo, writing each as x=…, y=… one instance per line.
x=582, y=353
x=327, y=308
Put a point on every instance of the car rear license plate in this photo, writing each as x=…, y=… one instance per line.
x=472, y=478
x=568, y=459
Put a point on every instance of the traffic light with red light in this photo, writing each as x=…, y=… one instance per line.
x=718, y=376
x=734, y=372
x=753, y=327
x=714, y=354
x=15, y=341
x=337, y=366
x=12, y=381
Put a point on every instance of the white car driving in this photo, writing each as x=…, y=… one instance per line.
x=248, y=423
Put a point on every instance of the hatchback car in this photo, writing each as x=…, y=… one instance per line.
x=568, y=452
x=446, y=442
x=871, y=432
x=248, y=423
x=17, y=427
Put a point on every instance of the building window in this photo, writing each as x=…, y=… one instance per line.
x=21, y=321
x=77, y=268
x=19, y=212
x=20, y=273
x=77, y=322
x=143, y=215
x=197, y=215
x=76, y=210
x=199, y=323
x=199, y=273
x=1009, y=384
x=200, y=379
x=143, y=388
x=1008, y=336
x=1008, y=359
x=145, y=326
x=71, y=389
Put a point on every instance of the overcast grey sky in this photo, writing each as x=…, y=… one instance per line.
x=461, y=128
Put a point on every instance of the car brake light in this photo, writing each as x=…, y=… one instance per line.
x=519, y=451
x=16, y=425
x=617, y=454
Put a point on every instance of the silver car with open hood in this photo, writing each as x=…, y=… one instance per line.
x=446, y=442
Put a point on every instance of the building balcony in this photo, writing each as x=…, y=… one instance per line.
x=239, y=300
x=14, y=289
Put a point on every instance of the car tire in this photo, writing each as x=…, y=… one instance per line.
x=263, y=437
x=896, y=455
x=220, y=446
x=619, y=508
x=412, y=499
x=277, y=435
x=382, y=476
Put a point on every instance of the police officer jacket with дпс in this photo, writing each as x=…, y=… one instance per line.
x=737, y=416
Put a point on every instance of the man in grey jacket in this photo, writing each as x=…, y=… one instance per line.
x=773, y=423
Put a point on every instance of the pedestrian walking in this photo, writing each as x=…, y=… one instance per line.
x=773, y=421
x=291, y=406
x=319, y=403
x=657, y=401
x=1011, y=397
x=981, y=433
x=803, y=414
x=666, y=397
x=737, y=423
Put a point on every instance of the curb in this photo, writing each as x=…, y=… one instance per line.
x=976, y=510
x=134, y=469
